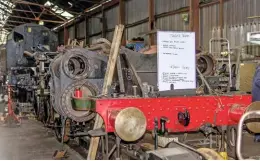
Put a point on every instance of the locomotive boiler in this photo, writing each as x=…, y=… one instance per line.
x=29, y=51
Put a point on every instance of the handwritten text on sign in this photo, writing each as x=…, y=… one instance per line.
x=176, y=60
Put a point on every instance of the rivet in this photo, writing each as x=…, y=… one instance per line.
x=168, y=109
x=196, y=120
x=161, y=109
x=153, y=109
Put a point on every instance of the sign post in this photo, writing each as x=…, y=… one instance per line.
x=176, y=60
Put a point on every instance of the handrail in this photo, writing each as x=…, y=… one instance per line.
x=239, y=133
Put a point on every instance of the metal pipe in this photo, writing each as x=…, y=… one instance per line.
x=27, y=53
x=204, y=80
x=239, y=133
x=135, y=90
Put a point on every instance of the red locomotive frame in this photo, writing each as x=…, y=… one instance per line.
x=215, y=110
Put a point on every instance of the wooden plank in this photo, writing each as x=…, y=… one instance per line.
x=114, y=52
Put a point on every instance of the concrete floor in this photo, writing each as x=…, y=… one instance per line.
x=249, y=147
x=30, y=141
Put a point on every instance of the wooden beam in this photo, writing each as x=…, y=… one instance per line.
x=27, y=18
x=151, y=21
x=114, y=52
x=221, y=16
x=121, y=18
x=194, y=20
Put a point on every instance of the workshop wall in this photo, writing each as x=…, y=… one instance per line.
x=172, y=15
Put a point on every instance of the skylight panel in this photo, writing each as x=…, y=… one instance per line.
x=58, y=10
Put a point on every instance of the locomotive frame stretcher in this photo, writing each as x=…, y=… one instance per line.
x=199, y=110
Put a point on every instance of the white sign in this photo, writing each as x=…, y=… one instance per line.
x=253, y=37
x=176, y=60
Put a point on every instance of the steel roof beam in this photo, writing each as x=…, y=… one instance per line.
x=27, y=18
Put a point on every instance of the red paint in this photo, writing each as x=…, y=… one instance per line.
x=112, y=117
x=202, y=109
x=78, y=93
x=10, y=108
x=236, y=113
